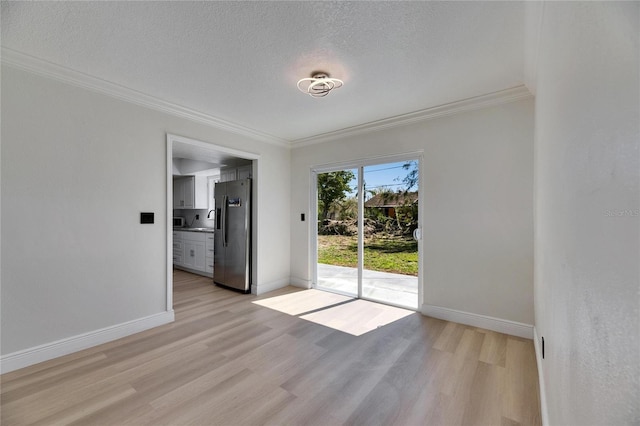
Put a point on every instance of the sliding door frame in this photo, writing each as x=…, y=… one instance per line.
x=360, y=165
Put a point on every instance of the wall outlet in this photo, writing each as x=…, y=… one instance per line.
x=197, y=217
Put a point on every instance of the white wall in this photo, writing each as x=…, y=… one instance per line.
x=477, y=191
x=587, y=223
x=77, y=169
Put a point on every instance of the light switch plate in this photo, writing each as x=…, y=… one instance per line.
x=146, y=217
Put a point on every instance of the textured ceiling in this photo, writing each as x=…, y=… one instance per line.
x=240, y=61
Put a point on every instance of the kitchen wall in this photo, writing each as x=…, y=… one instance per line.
x=190, y=218
x=477, y=217
x=78, y=167
x=587, y=278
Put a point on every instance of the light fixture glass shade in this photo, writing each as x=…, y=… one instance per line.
x=318, y=85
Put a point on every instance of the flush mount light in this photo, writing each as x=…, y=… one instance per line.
x=319, y=85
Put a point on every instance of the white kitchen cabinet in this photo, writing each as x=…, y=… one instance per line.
x=236, y=173
x=184, y=192
x=190, y=252
x=201, y=193
x=178, y=248
x=194, y=255
x=209, y=254
x=190, y=192
x=244, y=172
x=228, y=175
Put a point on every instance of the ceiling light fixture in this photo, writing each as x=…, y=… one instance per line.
x=319, y=85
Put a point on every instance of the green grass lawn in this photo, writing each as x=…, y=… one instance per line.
x=388, y=254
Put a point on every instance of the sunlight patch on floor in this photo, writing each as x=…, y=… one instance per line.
x=302, y=301
x=352, y=316
x=357, y=317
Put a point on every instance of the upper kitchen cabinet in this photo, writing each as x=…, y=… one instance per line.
x=201, y=192
x=184, y=192
x=235, y=173
x=190, y=192
x=227, y=175
x=244, y=172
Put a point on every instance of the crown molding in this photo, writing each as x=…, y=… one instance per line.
x=47, y=69
x=483, y=101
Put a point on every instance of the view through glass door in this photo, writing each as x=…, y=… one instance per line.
x=337, y=266
x=365, y=244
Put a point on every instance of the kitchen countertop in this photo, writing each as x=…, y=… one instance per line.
x=209, y=230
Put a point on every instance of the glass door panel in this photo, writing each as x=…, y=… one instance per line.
x=390, y=253
x=337, y=231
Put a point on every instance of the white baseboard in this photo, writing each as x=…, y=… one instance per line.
x=299, y=282
x=490, y=323
x=270, y=286
x=37, y=354
x=543, y=394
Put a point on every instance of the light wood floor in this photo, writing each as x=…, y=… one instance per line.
x=227, y=361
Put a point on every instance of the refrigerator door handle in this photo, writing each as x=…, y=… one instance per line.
x=225, y=210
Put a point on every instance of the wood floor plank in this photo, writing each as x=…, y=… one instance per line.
x=38, y=378
x=426, y=406
x=96, y=402
x=522, y=402
x=227, y=360
x=485, y=399
x=450, y=337
x=494, y=348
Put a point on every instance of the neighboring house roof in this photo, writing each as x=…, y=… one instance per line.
x=391, y=199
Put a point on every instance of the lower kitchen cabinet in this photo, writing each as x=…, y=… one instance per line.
x=191, y=252
x=178, y=248
x=209, y=254
x=194, y=255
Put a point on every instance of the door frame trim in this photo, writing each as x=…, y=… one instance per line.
x=171, y=138
x=364, y=162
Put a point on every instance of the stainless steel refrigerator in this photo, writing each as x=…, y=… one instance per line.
x=232, y=236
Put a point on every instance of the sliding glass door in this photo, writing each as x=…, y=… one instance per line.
x=390, y=273
x=337, y=231
x=367, y=229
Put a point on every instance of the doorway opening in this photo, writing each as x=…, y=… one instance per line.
x=206, y=164
x=367, y=239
